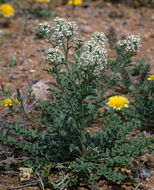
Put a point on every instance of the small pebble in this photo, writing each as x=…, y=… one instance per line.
x=35, y=80
x=14, y=77
x=95, y=14
x=86, y=29
x=144, y=173
x=11, y=52
x=25, y=68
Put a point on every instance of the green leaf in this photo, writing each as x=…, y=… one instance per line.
x=132, y=87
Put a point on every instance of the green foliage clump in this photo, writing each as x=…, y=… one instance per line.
x=143, y=106
x=133, y=79
x=107, y=150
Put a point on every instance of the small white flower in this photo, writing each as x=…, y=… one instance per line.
x=131, y=44
x=45, y=27
x=54, y=55
x=70, y=29
x=63, y=28
x=99, y=38
x=97, y=57
x=89, y=45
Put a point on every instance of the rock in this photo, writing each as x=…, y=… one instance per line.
x=152, y=17
x=32, y=71
x=89, y=10
x=144, y=173
x=124, y=22
x=14, y=77
x=146, y=133
x=147, y=36
x=40, y=90
x=86, y=29
x=43, y=48
x=35, y=80
x=108, y=5
x=148, y=50
x=96, y=14
x=25, y=68
x=11, y=53
x=106, y=12
x=152, y=35
x=115, y=13
x=145, y=158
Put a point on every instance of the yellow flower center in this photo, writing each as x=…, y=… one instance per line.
x=151, y=77
x=7, y=102
x=7, y=10
x=7, y=85
x=117, y=102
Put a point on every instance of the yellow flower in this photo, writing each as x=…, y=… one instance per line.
x=75, y=2
x=7, y=10
x=16, y=101
x=7, y=102
x=43, y=1
x=151, y=77
x=7, y=85
x=117, y=102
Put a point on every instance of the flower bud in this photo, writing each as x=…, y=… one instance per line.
x=30, y=89
x=5, y=90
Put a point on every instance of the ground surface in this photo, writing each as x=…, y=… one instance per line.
x=19, y=39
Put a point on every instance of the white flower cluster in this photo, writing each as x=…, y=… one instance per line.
x=100, y=38
x=44, y=27
x=89, y=45
x=131, y=44
x=58, y=27
x=97, y=58
x=94, y=53
x=54, y=55
x=63, y=28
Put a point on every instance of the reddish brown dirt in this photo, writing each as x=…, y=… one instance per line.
x=19, y=38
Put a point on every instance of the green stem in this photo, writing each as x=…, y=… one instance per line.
x=49, y=39
x=83, y=142
x=25, y=113
x=66, y=50
x=82, y=129
x=63, y=90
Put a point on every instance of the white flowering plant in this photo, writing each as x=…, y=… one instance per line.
x=122, y=65
x=79, y=90
x=130, y=45
x=133, y=77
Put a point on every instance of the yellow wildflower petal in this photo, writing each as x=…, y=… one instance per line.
x=43, y=1
x=7, y=85
x=7, y=10
x=151, y=77
x=75, y=2
x=117, y=102
x=16, y=101
x=7, y=102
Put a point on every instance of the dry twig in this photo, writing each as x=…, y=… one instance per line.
x=21, y=186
